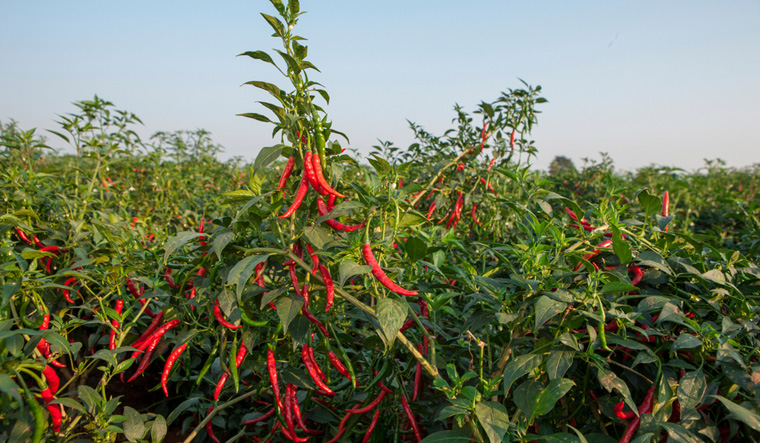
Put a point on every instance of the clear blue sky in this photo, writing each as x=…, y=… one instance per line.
x=669, y=83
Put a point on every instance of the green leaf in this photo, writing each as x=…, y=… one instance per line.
x=750, y=418
x=266, y=157
x=349, y=268
x=70, y=403
x=256, y=116
x=380, y=164
x=259, y=55
x=134, y=426
x=268, y=87
x=158, y=429
x=494, y=419
x=679, y=434
x=617, y=286
x=526, y=394
x=8, y=386
x=279, y=28
x=685, y=341
x=415, y=248
x=621, y=247
x=559, y=361
x=391, y=314
x=242, y=271
x=560, y=437
x=318, y=236
x=271, y=295
x=549, y=396
x=518, y=367
x=221, y=241
x=287, y=309
x=691, y=389
x=446, y=437
x=177, y=241
x=89, y=396
x=610, y=381
x=546, y=308
x=182, y=407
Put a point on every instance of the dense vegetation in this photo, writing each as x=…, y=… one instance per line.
x=445, y=292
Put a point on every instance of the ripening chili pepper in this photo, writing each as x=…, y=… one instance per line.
x=335, y=224
x=490, y=188
x=331, y=201
x=286, y=172
x=665, y=201
x=264, y=417
x=321, y=178
x=168, y=366
x=623, y=415
x=380, y=274
x=202, y=238
x=155, y=335
x=209, y=428
x=314, y=259
x=410, y=416
x=329, y=286
x=370, y=406
x=311, y=369
x=644, y=408
x=638, y=275
x=67, y=293
x=43, y=346
x=114, y=325
x=490, y=164
x=146, y=358
x=371, y=427
x=220, y=317
x=308, y=166
x=272, y=369
x=483, y=136
x=407, y=324
x=512, y=139
x=239, y=357
x=303, y=188
x=22, y=235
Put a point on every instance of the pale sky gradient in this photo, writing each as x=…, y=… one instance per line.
x=664, y=82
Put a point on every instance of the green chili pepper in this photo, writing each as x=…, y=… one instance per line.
x=247, y=320
x=342, y=352
x=233, y=365
x=602, y=336
x=35, y=409
x=212, y=274
x=25, y=318
x=207, y=364
x=319, y=138
x=222, y=348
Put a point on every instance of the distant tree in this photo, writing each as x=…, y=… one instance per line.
x=561, y=165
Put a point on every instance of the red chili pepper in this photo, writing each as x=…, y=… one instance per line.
x=43, y=346
x=303, y=188
x=220, y=317
x=308, y=166
x=168, y=366
x=644, y=408
x=331, y=201
x=311, y=369
x=638, y=275
x=665, y=201
x=209, y=428
x=287, y=411
x=66, y=293
x=314, y=259
x=272, y=368
x=323, y=210
x=168, y=276
x=321, y=177
x=623, y=415
x=474, y=208
x=329, y=286
x=410, y=416
x=309, y=316
x=151, y=328
x=341, y=428
x=338, y=364
x=357, y=410
x=490, y=164
x=381, y=276
x=371, y=427
x=313, y=360
x=431, y=210
x=286, y=172
x=22, y=235
x=407, y=324
x=260, y=274
x=54, y=410
x=260, y=419
x=483, y=135
x=293, y=277
x=202, y=238
x=490, y=188
x=512, y=139
x=297, y=414
x=52, y=378
x=146, y=358
x=114, y=325
x=155, y=335
x=417, y=376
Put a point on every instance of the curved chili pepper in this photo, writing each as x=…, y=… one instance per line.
x=287, y=412
x=308, y=167
x=146, y=358
x=209, y=428
x=43, y=346
x=114, y=325
x=303, y=188
x=431, y=210
x=310, y=368
x=371, y=427
x=638, y=275
x=314, y=259
x=306, y=313
x=368, y=407
x=329, y=286
x=321, y=178
x=202, y=238
x=316, y=365
x=168, y=276
x=168, y=366
x=381, y=276
x=665, y=202
x=490, y=188
x=272, y=369
x=22, y=235
x=297, y=414
x=341, y=428
x=66, y=293
x=151, y=328
x=474, y=208
x=331, y=201
x=410, y=416
x=293, y=277
x=220, y=317
x=512, y=139
x=260, y=274
x=52, y=378
x=335, y=224
x=286, y=172
x=623, y=415
x=644, y=408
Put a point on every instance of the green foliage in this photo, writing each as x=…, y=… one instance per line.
x=545, y=300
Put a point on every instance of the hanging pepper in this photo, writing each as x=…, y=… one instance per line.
x=209, y=428
x=220, y=317
x=286, y=173
x=474, y=208
x=308, y=166
x=239, y=357
x=380, y=275
x=410, y=416
x=168, y=366
x=300, y=194
x=272, y=369
x=329, y=286
x=665, y=202
x=321, y=178
x=310, y=368
x=314, y=259
x=644, y=408
x=335, y=224
x=114, y=325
